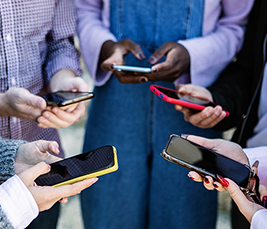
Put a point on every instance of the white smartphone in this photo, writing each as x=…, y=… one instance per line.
x=131, y=68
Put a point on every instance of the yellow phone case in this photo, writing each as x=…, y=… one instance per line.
x=95, y=174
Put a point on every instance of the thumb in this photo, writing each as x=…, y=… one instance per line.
x=208, y=143
x=45, y=146
x=28, y=176
x=35, y=100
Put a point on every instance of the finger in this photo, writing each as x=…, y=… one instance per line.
x=28, y=176
x=208, y=183
x=218, y=186
x=160, y=52
x=79, y=84
x=45, y=146
x=73, y=189
x=130, y=79
x=115, y=58
x=195, y=176
x=208, y=143
x=134, y=48
x=59, y=118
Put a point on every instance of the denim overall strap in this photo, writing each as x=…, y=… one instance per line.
x=183, y=19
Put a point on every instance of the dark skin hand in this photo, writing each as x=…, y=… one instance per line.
x=176, y=63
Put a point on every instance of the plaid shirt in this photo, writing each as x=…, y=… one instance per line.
x=37, y=40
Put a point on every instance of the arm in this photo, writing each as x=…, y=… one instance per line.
x=61, y=53
x=207, y=56
x=93, y=31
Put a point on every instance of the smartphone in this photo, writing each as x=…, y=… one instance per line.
x=94, y=163
x=205, y=161
x=64, y=98
x=185, y=100
x=131, y=68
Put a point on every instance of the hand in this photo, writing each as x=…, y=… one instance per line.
x=32, y=153
x=207, y=118
x=176, y=63
x=114, y=53
x=63, y=117
x=46, y=196
x=20, y=103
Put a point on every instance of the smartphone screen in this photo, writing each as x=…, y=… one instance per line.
x=78, y=166
x=63, y=98
x=214, y=163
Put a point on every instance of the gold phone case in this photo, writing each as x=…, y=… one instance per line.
x=113, y=168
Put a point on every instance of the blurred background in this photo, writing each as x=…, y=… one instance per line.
x=72, y=141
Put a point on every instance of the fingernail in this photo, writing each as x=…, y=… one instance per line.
x=46, y=115
x=151, y=59
x=206, y=180
x=192, y=178
x=222, y=181
x=256, y=164
x=95, y=180
x=111, y=66
x=56, y=149
x=39, y=104
x=184, y=136
x=154, y=70
x=215, y=185
x=264, y=201
x=55, y=110
x=49, y=166
x=143, y=80
x=141, y=56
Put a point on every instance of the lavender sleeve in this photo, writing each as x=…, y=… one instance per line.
x=211, y=53
x=260, y=154
x=259, y=219
x=61, y=52
x=93, y=31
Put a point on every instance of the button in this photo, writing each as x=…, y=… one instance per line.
x=14, y=119
x=13, y=81
x=8, y=38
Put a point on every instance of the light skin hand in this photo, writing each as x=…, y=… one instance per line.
x=31, y=153
x=114, y=53
x=62, y=117
x=46, y=196
x=245, y=204
x=207, y=118
x=20, y=103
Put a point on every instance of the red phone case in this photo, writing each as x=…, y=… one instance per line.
x=168, y=99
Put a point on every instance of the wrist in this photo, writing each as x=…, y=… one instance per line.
x=106, y=49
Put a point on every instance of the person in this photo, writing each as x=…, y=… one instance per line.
x=240, y=90
x=22, y=163
x=254, y=213
x=38, y=54
x=124, y=113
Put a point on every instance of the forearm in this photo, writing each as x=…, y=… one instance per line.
x=93, y=31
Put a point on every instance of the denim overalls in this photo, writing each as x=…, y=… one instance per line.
x=146, y=191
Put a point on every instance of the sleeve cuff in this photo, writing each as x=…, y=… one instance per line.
x=17, y=203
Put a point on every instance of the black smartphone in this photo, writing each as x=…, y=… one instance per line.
x=94, y=163
x=205, y=161
x=64, y=98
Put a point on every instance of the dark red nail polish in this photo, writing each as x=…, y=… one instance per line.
x=206, y=180
x=222, y=181
x=215, y=185
x=154, y=70
x=192, y=178
x=264, y=201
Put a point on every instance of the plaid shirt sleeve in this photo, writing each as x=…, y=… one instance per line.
x=61, y=53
